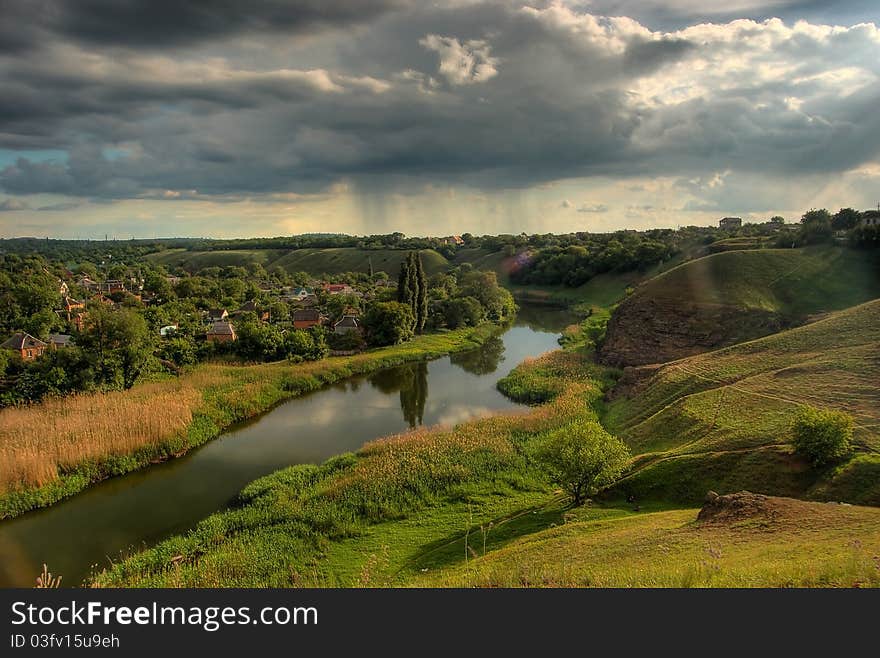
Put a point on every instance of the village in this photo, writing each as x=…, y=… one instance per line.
x=109, y=322
x=306, y=310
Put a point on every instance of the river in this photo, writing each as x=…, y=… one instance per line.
x=133, y=511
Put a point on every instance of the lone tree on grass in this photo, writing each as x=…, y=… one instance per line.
x=823, y=436
x=583, y=458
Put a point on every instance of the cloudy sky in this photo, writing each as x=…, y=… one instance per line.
x=269, y=117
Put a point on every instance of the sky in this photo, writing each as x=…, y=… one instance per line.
x=218, y=118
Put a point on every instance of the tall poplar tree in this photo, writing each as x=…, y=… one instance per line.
x=421, y=300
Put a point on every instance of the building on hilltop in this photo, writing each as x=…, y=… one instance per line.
x=729, y=223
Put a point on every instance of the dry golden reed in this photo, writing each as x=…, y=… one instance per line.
x=39, y=442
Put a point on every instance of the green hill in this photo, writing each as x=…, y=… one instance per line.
x=312, y=261
x=723, y=420
x=735, y=296
x=192, y=261
x=349, y=259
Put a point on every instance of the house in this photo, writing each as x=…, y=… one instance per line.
x=455, y=240
x=729, y=223
x=60, y=341
x=112, y=285
x=338, y=289
x=870, y=218
x=86, y=282
x=26, y=345
x=217, y=314
x=306, y=317
x=63, y=289
x=251, y=307
x=221, y=332
x=295, y=294
x=168, y=330
x=71, y=307
x=345, y=324
x=307, y=301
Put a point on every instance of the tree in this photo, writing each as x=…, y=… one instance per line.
x=388, y=323
x=120, y=342
x=823, y=436
x=421, y=301
x=279, y=312
x=462, y=312
x=258, y=341
x=412, y=289
x=180, y=350
x=404, y=284
x=306, y=344
x=815, y=227
x=845, y=219
x=583, y=458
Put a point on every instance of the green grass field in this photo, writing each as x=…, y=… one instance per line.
x=796, y=545
x=312, y=261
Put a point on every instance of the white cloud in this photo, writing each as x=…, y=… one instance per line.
x=462, y=63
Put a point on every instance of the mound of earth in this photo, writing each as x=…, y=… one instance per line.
x=747, y=506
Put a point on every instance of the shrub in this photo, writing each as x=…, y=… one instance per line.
x=583, y=458
x=823, y=436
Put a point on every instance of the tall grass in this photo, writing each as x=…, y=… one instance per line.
x=42, y=441
x=53, y=449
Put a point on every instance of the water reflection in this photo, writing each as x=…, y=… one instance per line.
x=411, y=382
x=483, y=361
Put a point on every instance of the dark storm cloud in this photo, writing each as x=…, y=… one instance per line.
x=172, y=23
x=487, y=94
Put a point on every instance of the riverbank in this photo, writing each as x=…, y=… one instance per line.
x=312, y=525
x=53, y=450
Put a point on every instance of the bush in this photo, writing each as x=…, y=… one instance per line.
x=823, y=436
x=583, y=458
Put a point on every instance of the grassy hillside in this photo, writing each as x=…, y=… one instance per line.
x=193, y=261
x=313, y=261
x=763, y=543
x=601, y=291
x=336, y=261
x=735, y=296
x=722, y=420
